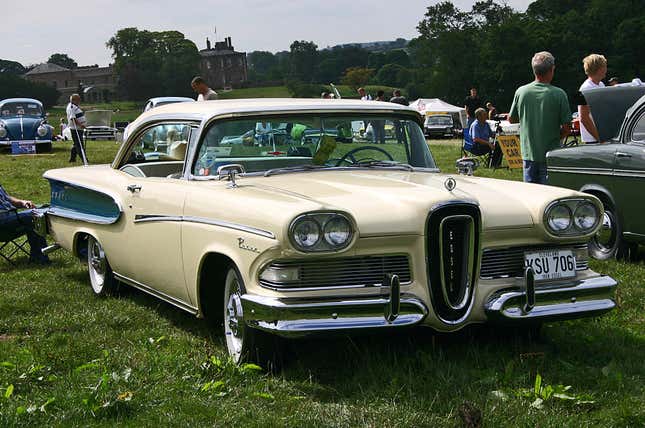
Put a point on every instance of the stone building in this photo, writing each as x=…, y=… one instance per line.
x=221, y=66
x=94, y=83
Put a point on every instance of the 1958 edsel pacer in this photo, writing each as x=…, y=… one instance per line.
x=308, y=227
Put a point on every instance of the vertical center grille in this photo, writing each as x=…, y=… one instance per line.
x=453, y=247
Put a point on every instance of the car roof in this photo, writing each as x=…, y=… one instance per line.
x=205, y=110
x=20, y=100
x=166, y=99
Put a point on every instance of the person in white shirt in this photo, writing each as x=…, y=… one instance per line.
x=364, y=95
x=596, y=69
x=76, y=123
x=204, y=92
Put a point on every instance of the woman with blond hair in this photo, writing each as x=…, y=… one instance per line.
x=595, y=67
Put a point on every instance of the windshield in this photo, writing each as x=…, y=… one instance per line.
x=263, y=144
x=439, y=121
x=21, y=109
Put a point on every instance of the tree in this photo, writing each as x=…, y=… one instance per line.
x=393, y=75
x=303, y=58
x=150, y=63
x=13, y=86
x=356, y=77
x=63, y=60
x=11, y=67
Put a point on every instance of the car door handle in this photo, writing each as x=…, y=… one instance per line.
x=623, y=155
x=134, y=188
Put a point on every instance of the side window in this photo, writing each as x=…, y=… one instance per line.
x=638, y=134
x=164, y=142
x=160, y=151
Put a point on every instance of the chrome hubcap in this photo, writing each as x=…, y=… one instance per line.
x=233, y=317
x=606, y=234
x=97, y=265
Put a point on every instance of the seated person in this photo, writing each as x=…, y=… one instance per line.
x=263, y=133
x=22, y=219
x=480, y=134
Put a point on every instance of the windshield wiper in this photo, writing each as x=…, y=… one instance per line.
x=297, y=168
x=383, y=164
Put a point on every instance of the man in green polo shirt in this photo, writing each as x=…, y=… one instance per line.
x=544, y=116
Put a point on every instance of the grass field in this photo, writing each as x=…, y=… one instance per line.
x=129, y=110
x=68, y=358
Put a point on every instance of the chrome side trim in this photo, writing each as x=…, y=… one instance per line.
x=578, y=170
x=202, y=220
x=634, y=235
x=598, y=171
x=629, y=173
x=298, y=317
x=158, y=294
x=75, y=215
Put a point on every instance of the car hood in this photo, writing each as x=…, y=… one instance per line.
x=399, y=202
x=608, y=106
x=25, y=129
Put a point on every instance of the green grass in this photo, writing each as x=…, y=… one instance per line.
x=134, y=361
x=264, y=92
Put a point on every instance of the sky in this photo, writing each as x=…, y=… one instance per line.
x=34, y=29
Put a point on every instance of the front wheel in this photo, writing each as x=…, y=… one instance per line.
x=101, y=276
x=245, y=344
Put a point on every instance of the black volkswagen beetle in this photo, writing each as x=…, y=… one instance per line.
x=613, y=171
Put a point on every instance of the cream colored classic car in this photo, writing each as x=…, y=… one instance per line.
x=312, y=228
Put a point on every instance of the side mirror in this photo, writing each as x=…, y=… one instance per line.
x=229, y=172
x=466, y=166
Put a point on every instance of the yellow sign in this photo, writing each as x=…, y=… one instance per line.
x=434, y=113
x=510, y=145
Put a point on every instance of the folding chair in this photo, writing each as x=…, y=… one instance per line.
x=467, y=147
x=13, y=240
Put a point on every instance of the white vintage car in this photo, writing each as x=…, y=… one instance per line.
x=319, y=231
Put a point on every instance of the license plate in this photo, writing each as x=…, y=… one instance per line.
x=552, y=264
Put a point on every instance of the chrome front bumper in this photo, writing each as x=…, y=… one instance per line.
x=291, y=317
x=576, y=299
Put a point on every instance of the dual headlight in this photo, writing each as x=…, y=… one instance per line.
x=572, y=217
x=321, y=232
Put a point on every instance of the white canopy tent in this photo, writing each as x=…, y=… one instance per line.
x=432, y=106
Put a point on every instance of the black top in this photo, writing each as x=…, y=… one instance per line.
x=472, y=104
x=579, y=99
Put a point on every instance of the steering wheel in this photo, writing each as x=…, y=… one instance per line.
x=350, y=154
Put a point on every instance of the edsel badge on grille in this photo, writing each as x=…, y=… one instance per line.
x=450, y=184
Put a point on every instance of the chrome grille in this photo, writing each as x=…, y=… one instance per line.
x=509, y=262
x=343, y=272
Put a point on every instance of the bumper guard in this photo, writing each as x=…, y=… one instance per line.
x=580, y=298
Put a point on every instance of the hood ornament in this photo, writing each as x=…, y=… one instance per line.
x=450, y=184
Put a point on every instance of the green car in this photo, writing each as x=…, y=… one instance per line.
x=613, y=171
